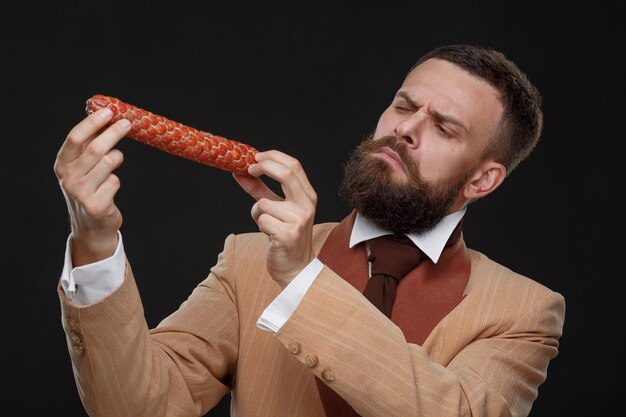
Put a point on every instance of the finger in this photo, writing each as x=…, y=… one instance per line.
x=287, y=178
x=103, y=169
x=82, y=132
x=107, y=190
x=101, y=205
x=269, y=225
x=291, y=163
x=281, y=210
x=101, y=146
x=255, y=187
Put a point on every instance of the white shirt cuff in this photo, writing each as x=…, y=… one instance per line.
x=88, y=284
x=283, y=306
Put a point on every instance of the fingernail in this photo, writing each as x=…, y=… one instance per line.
x=124, y=123
x=106, y=113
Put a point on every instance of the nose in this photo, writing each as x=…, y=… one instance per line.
x=409, y=129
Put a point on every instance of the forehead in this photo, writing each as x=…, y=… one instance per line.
x=445, y=87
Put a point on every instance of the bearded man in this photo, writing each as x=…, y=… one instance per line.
x=386, y=313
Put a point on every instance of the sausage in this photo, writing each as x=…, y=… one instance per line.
x=176, y=138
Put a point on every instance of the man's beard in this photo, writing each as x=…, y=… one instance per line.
x=410, y=205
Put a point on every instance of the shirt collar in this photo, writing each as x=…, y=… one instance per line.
x=431, y=242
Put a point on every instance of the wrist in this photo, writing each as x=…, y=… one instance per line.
x=88, y=248
x=284, y=278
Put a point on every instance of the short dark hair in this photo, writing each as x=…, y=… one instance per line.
x=520, y=127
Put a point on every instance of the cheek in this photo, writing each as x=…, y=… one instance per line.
x=385, y=125
x=440, y=163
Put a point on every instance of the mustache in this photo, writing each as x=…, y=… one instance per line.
x=394, y=143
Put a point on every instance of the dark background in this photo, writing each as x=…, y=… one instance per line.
x=309, y=79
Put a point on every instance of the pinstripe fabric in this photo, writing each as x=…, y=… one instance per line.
x=486, y=358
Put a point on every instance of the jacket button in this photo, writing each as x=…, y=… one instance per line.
x=75, y=336
x=72, y=322
x=328, y=375
x=79, y=350
x=294, y=347
x=311, y=361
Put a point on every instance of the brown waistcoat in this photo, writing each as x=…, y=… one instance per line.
x=424, y=296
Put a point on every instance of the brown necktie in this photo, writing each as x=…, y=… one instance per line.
x=392, y=257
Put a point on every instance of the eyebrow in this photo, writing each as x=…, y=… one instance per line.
x=441, y=116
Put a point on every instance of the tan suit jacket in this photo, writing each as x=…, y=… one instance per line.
x=485, y=358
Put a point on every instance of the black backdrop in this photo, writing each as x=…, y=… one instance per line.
x=309, y=79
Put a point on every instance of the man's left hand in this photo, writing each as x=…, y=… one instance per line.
x=287, y=221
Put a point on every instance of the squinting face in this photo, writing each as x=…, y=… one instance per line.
x=411, y=172
x=444, y=116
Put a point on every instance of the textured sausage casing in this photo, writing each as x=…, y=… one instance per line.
x=176, y=138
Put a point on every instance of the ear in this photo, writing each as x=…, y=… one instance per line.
x=487, y=177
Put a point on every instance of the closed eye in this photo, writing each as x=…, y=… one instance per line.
x=402, y=109
x=442, y=130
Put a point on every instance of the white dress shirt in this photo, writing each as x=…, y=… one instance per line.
x=91, y=283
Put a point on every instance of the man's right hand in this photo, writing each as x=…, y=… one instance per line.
x=84, y=167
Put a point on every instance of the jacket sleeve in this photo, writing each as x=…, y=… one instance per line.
x=183, y=367
x=364, y=357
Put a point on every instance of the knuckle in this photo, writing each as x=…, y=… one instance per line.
x=58, y=168
x=114, y=180
x=120, y=128
x=73, y=138
x=263, y=204
x=110, y=160
x=287, y=174
x=110, y=210
x=262, y=220
x=93, y=149
x=294, y=164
